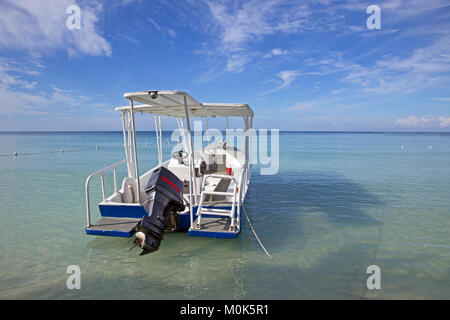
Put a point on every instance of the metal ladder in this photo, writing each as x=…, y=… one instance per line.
x=234, y=226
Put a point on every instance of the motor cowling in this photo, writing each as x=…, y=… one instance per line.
x=164, y=193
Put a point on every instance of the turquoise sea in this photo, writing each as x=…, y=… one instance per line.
x=339, y=203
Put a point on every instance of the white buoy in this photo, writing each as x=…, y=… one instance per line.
x=61, y=150
x=403, y=147
x=430, y=147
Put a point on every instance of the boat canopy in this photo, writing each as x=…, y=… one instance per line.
x=173, y=103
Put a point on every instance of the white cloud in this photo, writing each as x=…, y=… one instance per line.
x=397, y=8
x=163, y=30
x=237, y=27
x=445, y=99
x=10, y=72
x=411, y=121
x=39, y=26
x=276, y=52
x=237, y=61
x=423, y=122
x=330, y=104
x=254, y=19
x=286, y=77
x=430, y=59
x=53, y=102
x=407, y=9
x=19, y=96
x=444, y=122
x=301, y=106
x=338, y=91
x=428, y=66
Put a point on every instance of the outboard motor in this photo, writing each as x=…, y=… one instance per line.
x=165, y=195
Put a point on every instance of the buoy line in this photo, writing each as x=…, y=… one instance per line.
x=16, y=154
x=267, y=252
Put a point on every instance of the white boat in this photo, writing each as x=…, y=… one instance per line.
x=214, y=178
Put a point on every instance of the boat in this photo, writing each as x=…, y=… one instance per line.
x=200, y=191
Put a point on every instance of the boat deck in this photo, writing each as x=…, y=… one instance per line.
x=116, y=227
x=214, y=227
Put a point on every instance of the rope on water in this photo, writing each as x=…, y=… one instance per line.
x=267, y=252
x=377, y=244
x=15, y=154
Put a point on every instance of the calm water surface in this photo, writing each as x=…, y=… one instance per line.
x=339, y=203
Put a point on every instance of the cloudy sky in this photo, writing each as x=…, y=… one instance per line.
x=301, y=65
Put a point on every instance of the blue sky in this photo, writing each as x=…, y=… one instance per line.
x=301, y=65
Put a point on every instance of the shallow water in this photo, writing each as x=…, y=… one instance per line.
x=339, y=203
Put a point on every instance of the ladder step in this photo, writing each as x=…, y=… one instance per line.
x=215, y=228
x=219, y=193
x=214, y=211
x=216, y=214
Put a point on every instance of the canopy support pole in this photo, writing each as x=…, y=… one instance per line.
x=191, y=161
x=125, y=143
x=129, y=144
x=207, y=134
x=136, y=167
x=183, y=137
x=160, y=151
x=157, y=140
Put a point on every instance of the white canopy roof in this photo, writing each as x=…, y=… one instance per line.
x=171, y=103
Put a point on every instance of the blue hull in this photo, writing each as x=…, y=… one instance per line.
x=127, y=211
x=120, y=234
x=122, y=211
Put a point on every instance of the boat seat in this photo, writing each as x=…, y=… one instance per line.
x=221, y=186
x=214, y=163
x=129, y=187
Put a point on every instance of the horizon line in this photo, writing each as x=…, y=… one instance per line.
x=302, y=131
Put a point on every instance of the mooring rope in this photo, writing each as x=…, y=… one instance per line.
x=377, y=244
x=267, y=252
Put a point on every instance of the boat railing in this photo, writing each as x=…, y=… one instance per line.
x=243, y=177
x=101, y=173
